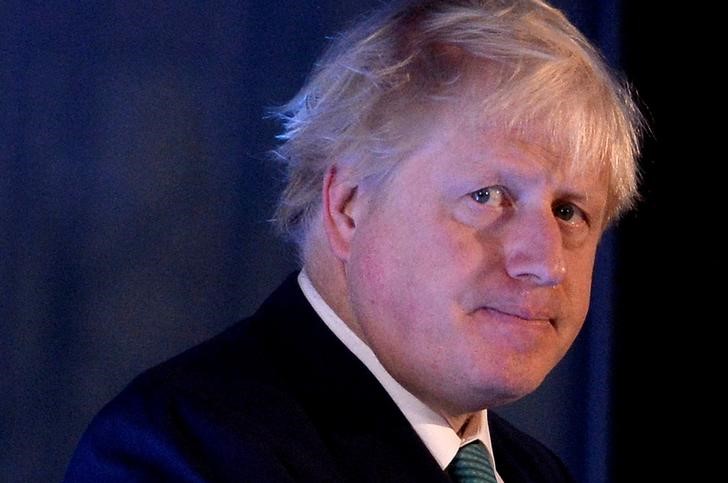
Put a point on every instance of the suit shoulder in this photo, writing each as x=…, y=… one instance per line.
x=245, y=352
x=225, y=371
x=228, y=355
x=209, y=410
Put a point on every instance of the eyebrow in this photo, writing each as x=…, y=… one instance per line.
x=512, y=175
x=574, y=195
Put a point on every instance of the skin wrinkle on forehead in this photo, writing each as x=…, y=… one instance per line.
x=529, y=143
x=553, y=164
x=474, y=98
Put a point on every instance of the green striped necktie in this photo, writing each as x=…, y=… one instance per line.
x=472, y=465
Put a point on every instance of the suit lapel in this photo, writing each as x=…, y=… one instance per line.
x=519, y=458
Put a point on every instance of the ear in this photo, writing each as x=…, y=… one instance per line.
x=339, y=203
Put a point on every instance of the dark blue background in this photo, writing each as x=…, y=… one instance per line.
x=134, y=193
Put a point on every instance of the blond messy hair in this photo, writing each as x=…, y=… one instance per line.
x=383, y=76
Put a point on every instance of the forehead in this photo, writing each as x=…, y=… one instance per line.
x=464, y=135
x=565, y=124
x=523, y=156
x=462, y=153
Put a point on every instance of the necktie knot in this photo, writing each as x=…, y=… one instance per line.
x=472, y=465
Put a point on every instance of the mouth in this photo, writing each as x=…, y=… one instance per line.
x=522, y=316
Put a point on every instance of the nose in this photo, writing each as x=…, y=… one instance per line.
x=534, y=250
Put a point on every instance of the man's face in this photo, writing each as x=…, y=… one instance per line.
x=469, y=274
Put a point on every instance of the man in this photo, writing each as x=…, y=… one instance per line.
x=452, y=166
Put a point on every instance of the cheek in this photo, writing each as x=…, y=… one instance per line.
x=399, y=279
x=380, y=272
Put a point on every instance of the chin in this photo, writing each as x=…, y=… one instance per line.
x=507, y=388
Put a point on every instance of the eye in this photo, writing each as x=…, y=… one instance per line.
x=569, y=213
x=491, y=195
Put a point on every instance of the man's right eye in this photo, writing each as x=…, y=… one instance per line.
x=491, y=195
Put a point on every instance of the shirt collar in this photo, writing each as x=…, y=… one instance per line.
x=437, y=434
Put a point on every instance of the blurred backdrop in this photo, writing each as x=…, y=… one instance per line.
x=135, y=191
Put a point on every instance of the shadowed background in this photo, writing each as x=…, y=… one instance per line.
x=134, y=196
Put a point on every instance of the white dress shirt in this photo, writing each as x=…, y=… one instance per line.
x=434, y=430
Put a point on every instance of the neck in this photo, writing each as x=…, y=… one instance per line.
x=327, y=274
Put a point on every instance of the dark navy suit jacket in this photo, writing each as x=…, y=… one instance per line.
x=275, y=398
